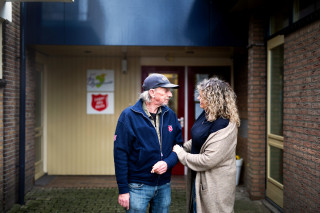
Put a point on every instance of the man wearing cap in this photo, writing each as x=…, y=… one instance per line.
x=143, y=142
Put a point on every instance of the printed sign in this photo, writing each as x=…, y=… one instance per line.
x=100, y=103
x=100, y=80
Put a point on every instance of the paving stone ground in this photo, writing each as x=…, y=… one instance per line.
x=95, y=194
x=82, y=200
x=44, y=200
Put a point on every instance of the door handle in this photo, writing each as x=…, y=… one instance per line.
x=181, y=120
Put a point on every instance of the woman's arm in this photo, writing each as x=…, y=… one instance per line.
x=187, y=145
x=218, y=146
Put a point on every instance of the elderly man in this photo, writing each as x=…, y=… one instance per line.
x=143, y=142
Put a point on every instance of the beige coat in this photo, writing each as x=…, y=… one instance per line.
x=216, y=171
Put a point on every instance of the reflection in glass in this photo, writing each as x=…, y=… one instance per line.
x=303, y=8
x=276, y=91
x=199, y=78
x=198, y=110
x=173, y=103
x=276, y=162
x=280, y=18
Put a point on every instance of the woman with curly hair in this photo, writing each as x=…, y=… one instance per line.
x=210, y=154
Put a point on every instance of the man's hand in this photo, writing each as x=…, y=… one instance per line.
x=123, y=200
x=160, y=167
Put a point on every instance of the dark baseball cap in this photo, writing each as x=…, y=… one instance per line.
x=157, y=80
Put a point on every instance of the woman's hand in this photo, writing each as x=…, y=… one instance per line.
x=177, y=149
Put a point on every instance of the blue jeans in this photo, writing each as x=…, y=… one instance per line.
x=141, y=195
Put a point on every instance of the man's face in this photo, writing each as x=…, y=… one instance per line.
x=161, y=96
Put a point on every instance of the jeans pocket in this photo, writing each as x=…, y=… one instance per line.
x=135, y=185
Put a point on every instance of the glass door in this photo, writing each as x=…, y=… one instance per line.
x=39, y=170
x=175, y=76
x=275, y=121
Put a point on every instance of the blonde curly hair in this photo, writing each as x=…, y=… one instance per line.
x=220, y=100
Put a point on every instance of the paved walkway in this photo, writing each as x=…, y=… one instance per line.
x=60, y=194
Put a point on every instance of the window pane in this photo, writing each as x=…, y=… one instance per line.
x=302, y=8
x=276, y=91
x=198, y=110
x=280, y=19
x=198, y=79
x=276, y=162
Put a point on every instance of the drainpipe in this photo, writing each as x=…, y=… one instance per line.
x=22, y=128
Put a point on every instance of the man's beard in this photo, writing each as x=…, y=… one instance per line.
x=165, y=103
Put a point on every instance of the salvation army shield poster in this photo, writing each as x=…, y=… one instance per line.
x=100, y=103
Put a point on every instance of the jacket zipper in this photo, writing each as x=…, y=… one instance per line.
x=160, y=142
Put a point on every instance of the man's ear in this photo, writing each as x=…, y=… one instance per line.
x=151, y=92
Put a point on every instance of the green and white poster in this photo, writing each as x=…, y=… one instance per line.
x=100, y=80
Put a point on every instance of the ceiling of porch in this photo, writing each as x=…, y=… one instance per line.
x=134, y=51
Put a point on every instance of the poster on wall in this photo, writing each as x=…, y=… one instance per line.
x=100, y=80
x=100, y=103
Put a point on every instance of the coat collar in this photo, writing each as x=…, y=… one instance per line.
x=138, y=107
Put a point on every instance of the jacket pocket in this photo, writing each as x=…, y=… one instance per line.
x=203, y=182
x=203, y=187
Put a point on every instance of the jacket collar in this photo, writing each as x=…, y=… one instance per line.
x=138, y=107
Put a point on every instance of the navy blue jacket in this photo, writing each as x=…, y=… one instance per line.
x=137, y=148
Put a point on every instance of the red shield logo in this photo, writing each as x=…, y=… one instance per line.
x=99, y=102
x=170, y=128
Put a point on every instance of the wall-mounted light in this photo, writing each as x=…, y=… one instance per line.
x=124, y=61
x=124, y=65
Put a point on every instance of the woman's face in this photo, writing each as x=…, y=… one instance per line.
x=203, y=104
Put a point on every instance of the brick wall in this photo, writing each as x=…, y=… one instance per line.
x=11, y=69
x=302, y=120
x=256, y=109
x=30, y=119
x=11, y=97
x=1, y=151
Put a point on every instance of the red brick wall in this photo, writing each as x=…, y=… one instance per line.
x=11, y=69
x=302, y=120
x=1, y=151
x=30, y=120
x=256, y=109
x=11, y=97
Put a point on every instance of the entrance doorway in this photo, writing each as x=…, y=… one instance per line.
x=175, y=76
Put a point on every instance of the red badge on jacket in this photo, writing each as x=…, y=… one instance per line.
x=170, y=128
